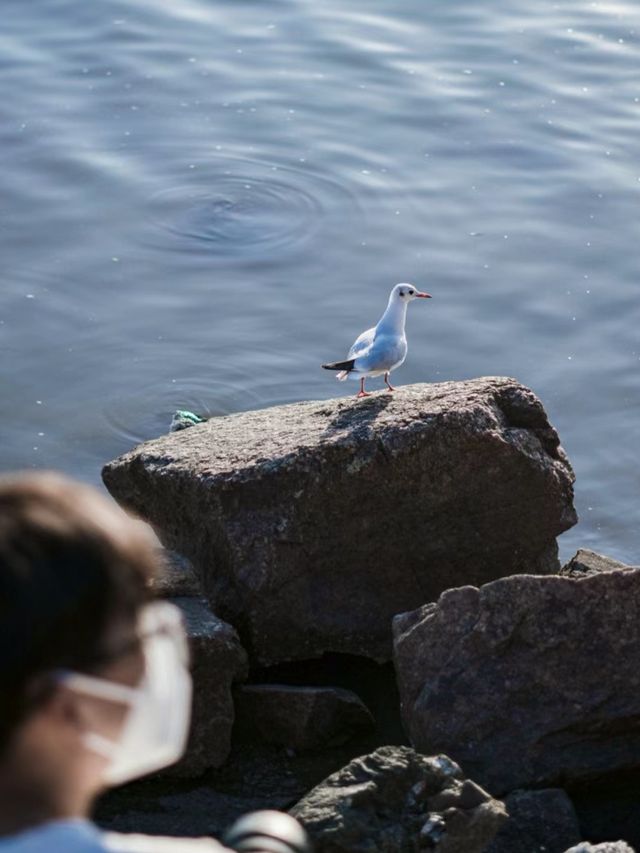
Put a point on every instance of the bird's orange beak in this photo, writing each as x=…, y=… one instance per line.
x=423, y=295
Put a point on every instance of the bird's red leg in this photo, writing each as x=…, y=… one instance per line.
x=389, y=386
x=362, y=392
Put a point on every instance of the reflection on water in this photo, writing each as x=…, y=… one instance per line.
x=203, y=201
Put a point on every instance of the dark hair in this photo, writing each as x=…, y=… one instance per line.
x=73, y=568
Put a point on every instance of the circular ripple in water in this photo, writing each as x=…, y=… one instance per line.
x=253, y=208
x=141, y=417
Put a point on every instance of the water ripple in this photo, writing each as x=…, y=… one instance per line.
x=134, y=418
x=253, y=208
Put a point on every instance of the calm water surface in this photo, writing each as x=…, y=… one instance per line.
x=201, y=201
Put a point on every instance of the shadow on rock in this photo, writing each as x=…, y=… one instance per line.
x=358, y=414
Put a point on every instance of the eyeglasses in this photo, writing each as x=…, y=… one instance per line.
x=158, y=622
x=157, y=618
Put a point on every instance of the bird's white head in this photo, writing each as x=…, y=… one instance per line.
x=406, y=293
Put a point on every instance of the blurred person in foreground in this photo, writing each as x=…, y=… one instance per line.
x=94, y=683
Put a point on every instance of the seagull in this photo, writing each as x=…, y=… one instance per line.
x=384, y=347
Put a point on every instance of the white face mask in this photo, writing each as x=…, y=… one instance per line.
x=156, y=728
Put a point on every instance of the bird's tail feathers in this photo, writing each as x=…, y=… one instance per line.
x=344, y=366
x=342, y=375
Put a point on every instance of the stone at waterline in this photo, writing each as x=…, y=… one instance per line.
x=300, y=718
x=217, y=661
x=585, y=562
x=312, y=524
x=398, y=800
x=543, y=820
x=528, y=680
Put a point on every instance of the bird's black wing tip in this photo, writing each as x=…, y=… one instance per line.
x=340, y=365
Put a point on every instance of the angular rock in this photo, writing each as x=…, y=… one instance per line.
x=217, y=661
x=585, y=562
x=543, y=820
x=528, y=680
x=300, y=718
x=396, y=800
x=310, y=525
x=606, y=847
x=176, y=577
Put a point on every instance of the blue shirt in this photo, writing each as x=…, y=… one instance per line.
x=82, y=836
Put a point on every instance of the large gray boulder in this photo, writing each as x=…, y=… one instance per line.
x=396, y=801
x=527, y=680
x=311, y=525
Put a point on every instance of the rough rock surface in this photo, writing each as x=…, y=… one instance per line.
x=528, y=680
x=176, y=577
x=605, y=847
x=585, y=562
x=395, y=800
x=217, y=660
x=300, y=717
x=312, y=524
x=543, y=820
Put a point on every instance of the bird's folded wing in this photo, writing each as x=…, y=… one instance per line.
x=385, y=353
x=362, y=343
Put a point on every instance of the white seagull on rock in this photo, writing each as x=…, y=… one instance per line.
x=381, y=349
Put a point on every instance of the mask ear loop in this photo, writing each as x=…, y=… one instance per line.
x=99, y=744
x=97, y=688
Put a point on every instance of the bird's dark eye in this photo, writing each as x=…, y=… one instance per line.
x=411, y=293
